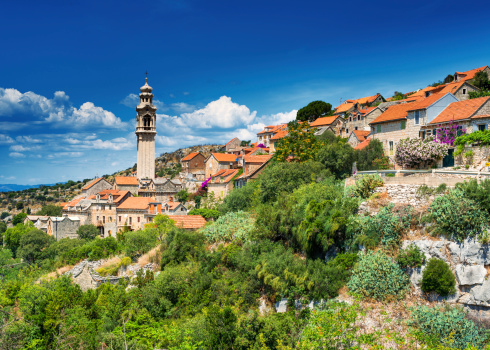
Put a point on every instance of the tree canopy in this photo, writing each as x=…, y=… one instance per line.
x=481, y=80
x=300, y=145
x=314, y=110
x=50, y=210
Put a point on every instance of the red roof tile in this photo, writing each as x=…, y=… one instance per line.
x=90, y=184
x=225, y=157
x=470, y=74
x=188, y=221
x=361, y=134
x=395, y=112
x=426, y=102
x=257, y=159
x=189, y=156
x=225, y=174
x=73, y=202
x=460, y=110
x=324, y=121
x=363, y=144
x=279, y=135
x=138, y=203
x=126, y=180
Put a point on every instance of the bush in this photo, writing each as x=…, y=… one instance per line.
x=458, y=217
x=337, y=158
x=206, y=213
x=448, y=327
x=19, y=218
x=241, y=198
x=378, y=277
x=338, y=272
x=438, y=277
x=411, y=257
x=230, y=227
x=87, y=232
x=50, y=210
x=32, y=244
x=366, y=157
x=415, y=152
x=138, y=243
x=477, y=192
x=180, y=245
x=385, y=227
x=366, y=184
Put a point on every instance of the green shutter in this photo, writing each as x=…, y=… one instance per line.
x=378, y=128
x=403, y=124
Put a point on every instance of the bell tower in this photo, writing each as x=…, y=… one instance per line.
x=145, y=133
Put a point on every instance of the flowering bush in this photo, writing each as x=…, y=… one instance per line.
x=411, y=153
x=261, y=145
x=204, y=185
x=447, y=134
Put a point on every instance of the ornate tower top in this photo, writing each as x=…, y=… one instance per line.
x=146, y=111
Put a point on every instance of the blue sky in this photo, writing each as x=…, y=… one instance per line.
x=70, y=70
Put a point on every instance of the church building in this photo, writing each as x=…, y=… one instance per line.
x=145, y=133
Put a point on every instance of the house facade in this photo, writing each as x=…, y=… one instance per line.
x=220, y=161
x=63, y=227
x=221, y=182
x=360, y=119
x=232, y=145
x=126, y=183
x=193, y=163
x=265, y=135
x=96, y=186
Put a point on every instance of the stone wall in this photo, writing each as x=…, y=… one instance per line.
x=481, y=155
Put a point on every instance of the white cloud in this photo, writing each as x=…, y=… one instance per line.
x=65, y=155
x=19, y=148
x=186, y=93
x=222, y=113
x=57, y=111
x=16, y=155
x=4, y=139
x=182, y=107
x=27, y=139
x=131, y=100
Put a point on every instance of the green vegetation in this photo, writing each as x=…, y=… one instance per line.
x=366, y=184
x=300, y=145
x=314, y=110
x=479, y=137
x=50, y=210
x=437, y=277
x=206, y=213
x=230, y=227
x=412, y=257
x=87, y=232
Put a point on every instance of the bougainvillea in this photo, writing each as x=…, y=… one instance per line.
x=415, y=152
x=447, y=134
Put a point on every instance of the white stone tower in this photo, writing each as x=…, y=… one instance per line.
x=145, y=133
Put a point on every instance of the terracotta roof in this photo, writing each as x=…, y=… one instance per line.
x=188, y=221
x=395, y=112
x=324, y=121
x=172, y=205
x=279, y=135
x=470, y=74
x=257, y=159
x=426, y=102
x=113, y=192
x=189, y=156
x=90, y=184
x=344, y=107
x=73, y=202
x=367, y=110
x=138, y=203
x=272, y=129
x=235, y=138
x=225, y=157
x=460, y=110
x=126, y=180
x=480, y=116
x=62, y=204
x=225, y=174
x=363, y=144
x=361, y=134
x=362, y=100
x=452, y=87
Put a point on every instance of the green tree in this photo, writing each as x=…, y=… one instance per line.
x=87, y=232
x=314, y=110
x=438, y=277
x=19, y=206
x=182, y=196
x=481, y=81
x=3, y=227
x=338, y=158
x=300, y=145
x=365, y=157
x=448, y=79
x=19, y=218
x=50, y=210
x=4, y=215
x=221, y=326
x=163, y=225
x=32, y=244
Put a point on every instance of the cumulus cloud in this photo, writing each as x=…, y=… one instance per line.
x=222, y=113
x=16, y=155
x=181, y=107
x=132, y=100
x=57, y=111
x=5, y=139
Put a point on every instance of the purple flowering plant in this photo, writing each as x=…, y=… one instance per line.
x=447, y=134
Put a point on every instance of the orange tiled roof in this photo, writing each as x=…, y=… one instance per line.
x=126, y=180
x=426, y=102
x=452, y=87
x=363, y=144
x=470, y=74
x=73, y=202
x=279, y=135
x=361, y=134
x=367, y=110
x=138, y=203
x=225, y=157
x=189, y=156
x=362, y=100
x=188, y=221
x=62, y=204
x=257, y=159
x=90, y=184
x=480, y=116
x=395, y=112
x=460, y=110
x=324, y=121
x=226, y=174
x=344, y=107
x=172, y=205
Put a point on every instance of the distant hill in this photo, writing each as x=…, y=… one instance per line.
x=15, y=187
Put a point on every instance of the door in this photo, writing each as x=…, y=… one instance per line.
x=448, y=160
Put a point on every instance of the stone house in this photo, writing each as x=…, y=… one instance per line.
x=160, y=188
x=232, y=145
x=470, y=75
x=252, y=168
x=460, y=90
x=134, y=211
x=274, y=141
x=265, y=135
x=357, y=136
x=39, y=222
x=335, y=123
x=193, y=163
x=95, y=186
x=360, y=119
x=221, y=182
x=63, y=227
x=173, y=208
x=349, y=106
x=126, y=183
x=471, y=115
x=220, y=161
x=406, y=119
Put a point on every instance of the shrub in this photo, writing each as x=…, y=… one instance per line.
x=438, y=277
x=366, y=157
x=448, y=327
x=414, y=152
x=19, y=218
x=138, y=242
x=385, y=227
x=241, y=198
x=206, y=213
x=338, y=272
x=378, y=277
x=180, y=246
x=411, y=257
x=479, y=193
x=337, y=158
x=390, y=175
x=366, y=184
x=87, y=232
x=229, y=227
x=458, y=217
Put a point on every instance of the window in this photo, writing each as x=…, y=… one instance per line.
x=110, y=218
x=391, y=148
x=417, y=117
x=119, y=218
x=378, y=128
x=358, y=117
x=138, y=219
x=464, y=91
x=460, y=131
x=402, y=125
x=130, y=220
x=350, y=119
x=346, y=131
x=434, y=132
x=355, y=128
x=97, y=218
x=481, y=127
x=422, y=134
x=103, y=219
